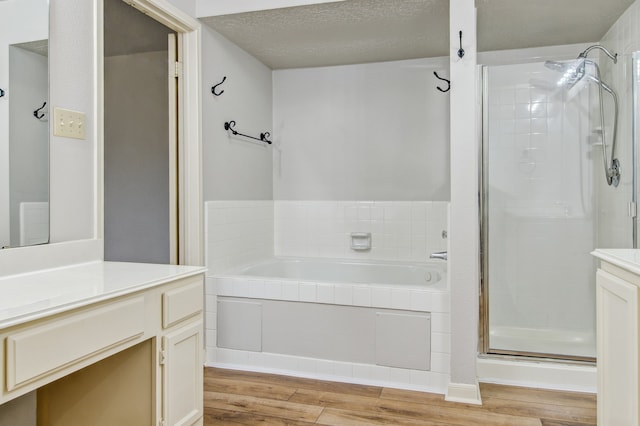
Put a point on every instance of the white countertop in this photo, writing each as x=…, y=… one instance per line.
x=628, y=259
x=30, y=296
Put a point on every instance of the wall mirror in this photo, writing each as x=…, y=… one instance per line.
x=24, y=123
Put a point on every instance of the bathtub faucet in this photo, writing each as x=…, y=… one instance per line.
x=439, y=255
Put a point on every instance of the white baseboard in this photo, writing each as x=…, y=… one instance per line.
x=538, y=374
x=463, y=392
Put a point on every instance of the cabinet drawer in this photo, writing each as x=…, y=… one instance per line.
x=45, y=348
x=182, y=302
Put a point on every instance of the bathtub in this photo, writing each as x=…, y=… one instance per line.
x=410, y=275
x=378, y=323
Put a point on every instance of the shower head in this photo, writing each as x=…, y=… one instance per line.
x=572, y=71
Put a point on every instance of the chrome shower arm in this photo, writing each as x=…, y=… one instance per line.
x=584, y=53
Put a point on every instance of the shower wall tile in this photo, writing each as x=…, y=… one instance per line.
x=237, y=233
x=614, y=225
x=405, y=231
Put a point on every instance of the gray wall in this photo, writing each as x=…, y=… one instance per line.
x=28, y=136
x=235, y=168
x=136, y=157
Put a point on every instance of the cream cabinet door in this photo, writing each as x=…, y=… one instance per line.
x=183, y=375
x=617, y=328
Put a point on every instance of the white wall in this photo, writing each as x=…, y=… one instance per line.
x=464, y=268
x=23, y=21
x=362, y=132
x=235, y=168
x=73, y=74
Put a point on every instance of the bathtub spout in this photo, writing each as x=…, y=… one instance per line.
x=439, y=255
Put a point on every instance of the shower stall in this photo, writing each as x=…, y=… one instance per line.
x=548, y=129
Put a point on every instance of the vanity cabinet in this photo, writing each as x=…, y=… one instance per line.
x=182, y=354
x=130, y=356
x=617, y=285
x=183, y=375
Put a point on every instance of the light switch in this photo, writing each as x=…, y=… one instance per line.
x=69, y=124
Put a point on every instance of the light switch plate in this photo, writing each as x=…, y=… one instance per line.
x=69, y=124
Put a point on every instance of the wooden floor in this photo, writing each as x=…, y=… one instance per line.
x=243, y=398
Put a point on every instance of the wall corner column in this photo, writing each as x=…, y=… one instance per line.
x=464, y=235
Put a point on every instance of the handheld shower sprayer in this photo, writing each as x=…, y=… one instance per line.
x=611, y=168
x=573, y=72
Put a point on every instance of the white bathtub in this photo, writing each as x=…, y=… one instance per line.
x=404, y=274
x=378, y=323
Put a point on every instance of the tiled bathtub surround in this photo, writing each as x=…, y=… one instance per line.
x=244, y=232
x=406, y=231
x=237, y=233
x=433, y=299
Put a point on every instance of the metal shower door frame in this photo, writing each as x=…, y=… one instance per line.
x=484, y=346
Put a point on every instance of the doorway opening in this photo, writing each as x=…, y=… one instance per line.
x=141, y=134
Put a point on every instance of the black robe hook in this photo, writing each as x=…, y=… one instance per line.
x=37, y=113
x=461, y=50
x=443, y=79
x=213, y=89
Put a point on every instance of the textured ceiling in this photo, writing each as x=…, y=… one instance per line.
x=40, y=47
x=517, y=24
x=352, y=31
x=360, y=31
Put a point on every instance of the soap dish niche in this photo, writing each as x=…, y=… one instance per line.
x=361, y=241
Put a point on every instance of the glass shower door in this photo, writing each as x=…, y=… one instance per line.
x=539, y=215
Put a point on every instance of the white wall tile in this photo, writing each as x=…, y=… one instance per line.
x=211, y=325
x=307, y=292
x=381, y=297
x=238, y=233
x=273, y=289
x=401, y=299
x=210, y=303
x=440, y=323
x=290, y=291
x=400, y=375
x=225, y=286
x=405, y=231
x=210, y=286
x=325, y=293
x=440, y=342
x=421, y=300
x=440, y=362
x=257, y=289
x=361, y=295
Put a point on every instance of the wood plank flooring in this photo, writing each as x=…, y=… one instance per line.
x=244, y=398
